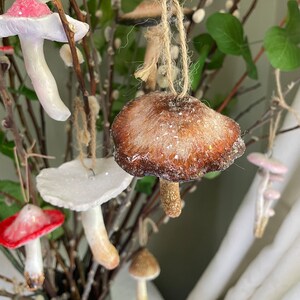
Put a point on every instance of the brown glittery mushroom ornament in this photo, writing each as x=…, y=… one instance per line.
x=143, y=267
x=175, y=139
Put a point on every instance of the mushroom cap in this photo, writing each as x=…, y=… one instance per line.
x=174, y=139
x=45, y=27
x=28, y=224
x=271, y=194
x=28, y=8
x=144, y=266
x=74, y=187
x=147, y=13
x=270, y=164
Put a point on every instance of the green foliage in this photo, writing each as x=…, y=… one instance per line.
x=129, y=56
x=56, y=234
x=11, y=189
x=11, y=198
x=281, y=44
x=203, y=44
x=25, y=91
x=128, y=6
x=145, y=185
x=217, y=100
x=7, y=210
x=228, y=33
x=6, y=147
x=212, y=175
x=216, y=60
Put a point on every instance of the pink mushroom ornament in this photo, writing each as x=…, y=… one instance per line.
x=25, y=229
x=271, y=170
x=34, y=22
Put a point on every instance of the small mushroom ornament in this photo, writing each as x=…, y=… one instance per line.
x=74, y=187
x=33, y=22
x=175, y=139
x=25, y=229
x=271, y=170
x=144, y=267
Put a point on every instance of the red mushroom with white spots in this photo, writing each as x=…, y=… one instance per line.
x=25, y=229
x=33, y=22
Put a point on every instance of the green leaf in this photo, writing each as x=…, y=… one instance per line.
x=293, y=22
x=145, y=185
x=203, y=44
x=24, y=91
x=11, y=198
x=11, y=189
x=251, y=67
x=56, y=234
x=227, y=31
x=212, y=175
x=128, y=56
x=216, y=61
x=281, y=44
x=128, y=6
x=7, y=210
x=281, y=51
x=6, y=147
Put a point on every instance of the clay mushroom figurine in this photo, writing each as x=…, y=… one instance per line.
x=33, y=22
x=25, y=229
x=143, y=267
x=175, y=139
x=74, y=187
x=271, y=170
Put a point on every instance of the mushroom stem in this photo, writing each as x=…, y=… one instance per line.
x=262, y=217
x=170, y=198
x=141, y=291
x=42, y=79
x=33, y=271
x=103, y=250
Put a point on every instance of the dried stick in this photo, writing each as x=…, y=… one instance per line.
x=76, y=64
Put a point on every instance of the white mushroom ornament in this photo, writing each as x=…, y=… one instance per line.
x=34, y=22
x=77, y=188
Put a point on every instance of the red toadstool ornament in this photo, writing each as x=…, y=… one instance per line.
x=25, y=229
x=175, y=139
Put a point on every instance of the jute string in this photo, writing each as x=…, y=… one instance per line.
x=143, y=230
x=168, y=7
x=84, y=137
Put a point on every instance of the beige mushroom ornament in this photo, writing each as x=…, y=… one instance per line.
x=77, y=188
x=143, y=267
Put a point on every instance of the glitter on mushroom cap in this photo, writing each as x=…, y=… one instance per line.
x=30, y=223
x=73, y=186
x=28, y=8
x=174, y=139
x=144, y=266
